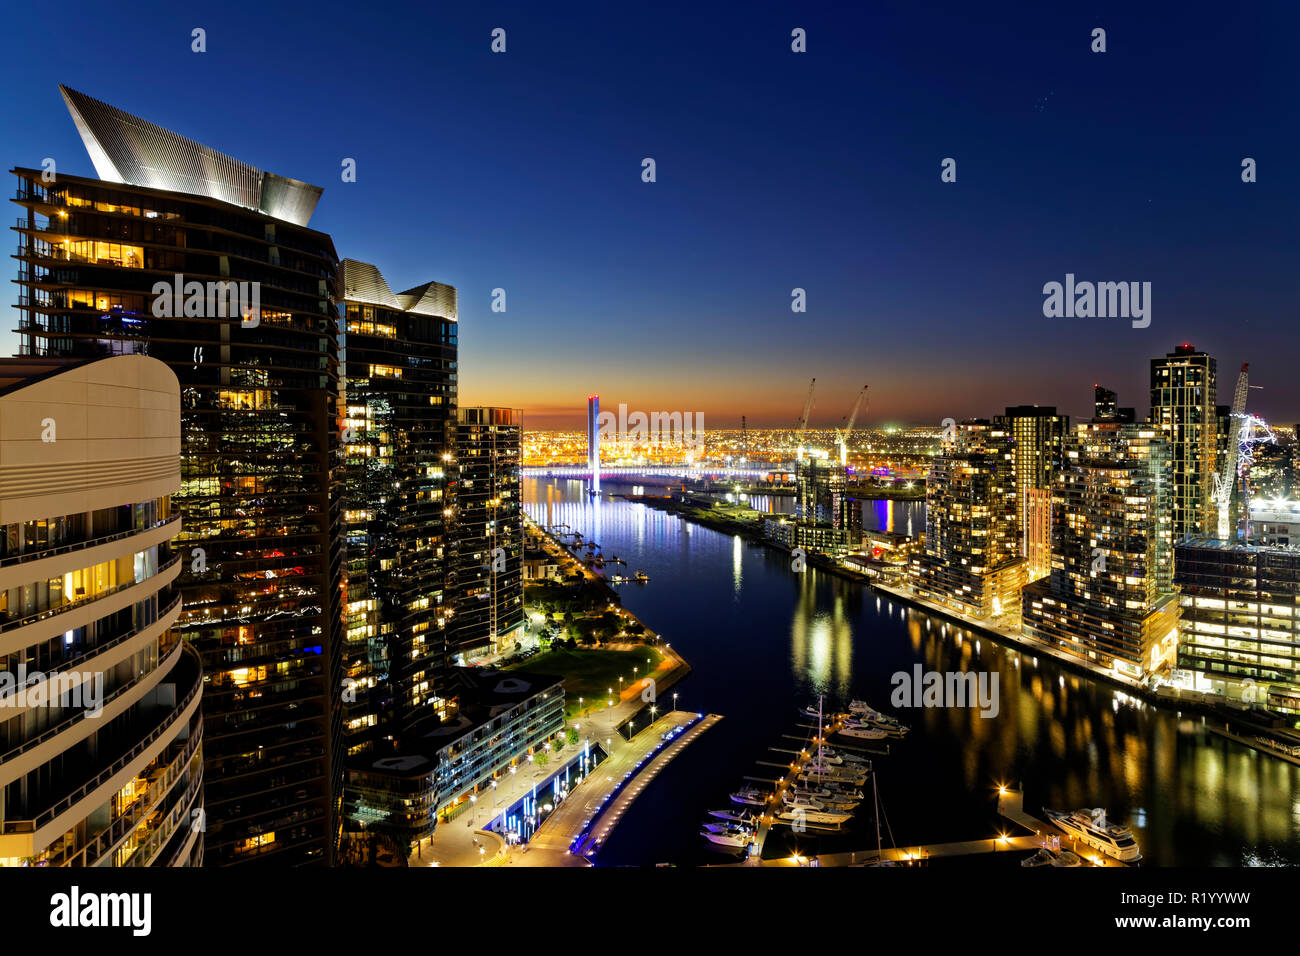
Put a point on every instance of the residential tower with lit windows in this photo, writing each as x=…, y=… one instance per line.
x=1110, y=598
x=971, y=560
x=101, y=735
x=261, y=580
x=489, y=531
x=398, y=353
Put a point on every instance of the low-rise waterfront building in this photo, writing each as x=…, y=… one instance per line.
x=1240, y=632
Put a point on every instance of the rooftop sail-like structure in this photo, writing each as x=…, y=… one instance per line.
x=363, y=282
x=128, y=149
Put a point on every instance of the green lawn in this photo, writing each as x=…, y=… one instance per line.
x=589, y=674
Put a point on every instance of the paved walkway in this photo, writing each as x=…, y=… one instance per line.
x=550, y=844
x=614, y=812
x=457, y=842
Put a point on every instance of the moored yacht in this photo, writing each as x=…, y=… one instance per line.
x=734, y=816
x=751, y=796
x=1090, y=828
x=729, y=835
x=820, y=817
x=864, y=733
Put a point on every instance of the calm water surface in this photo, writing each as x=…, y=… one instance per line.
x=763, y=642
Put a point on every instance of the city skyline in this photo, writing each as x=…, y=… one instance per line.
x=676, y=294
x=938, y=500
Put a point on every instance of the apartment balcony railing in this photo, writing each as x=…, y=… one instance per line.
x=107, y=843
x=168, y=721
x=51, y=732
x=74, y=663
x=163, y=831
x=83, y=545
x=18, y=622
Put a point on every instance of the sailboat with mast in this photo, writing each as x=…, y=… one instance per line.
x=820, y=811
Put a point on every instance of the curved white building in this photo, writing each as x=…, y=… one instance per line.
x=100, y=730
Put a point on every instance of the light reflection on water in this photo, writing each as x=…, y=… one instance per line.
x=764, y=642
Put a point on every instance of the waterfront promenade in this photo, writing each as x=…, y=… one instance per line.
x=461, y=842
x=550, y=844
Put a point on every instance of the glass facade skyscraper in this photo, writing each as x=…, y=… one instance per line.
x=1184, y=386
x=971, y=558
x=1037, y=440
x=261, y=580
x=398, y=351
x=489, y=530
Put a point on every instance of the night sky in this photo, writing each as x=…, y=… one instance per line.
x=775, y=170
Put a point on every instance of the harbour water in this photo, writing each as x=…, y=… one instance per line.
x=764, y=641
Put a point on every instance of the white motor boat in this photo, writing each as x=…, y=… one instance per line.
x=750, y=796
x=820, y=817
x=864, y=733
x=727, y=835
x=1090, y=828
x=734, y=816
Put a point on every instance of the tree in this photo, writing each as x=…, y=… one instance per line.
x=557, y=745
x=541, y=757
x=573, y=736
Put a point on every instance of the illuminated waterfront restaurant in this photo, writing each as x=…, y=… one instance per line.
x=398, y=352
x=105, y=767
x=261, y=581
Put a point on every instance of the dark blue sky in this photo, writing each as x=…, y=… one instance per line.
x=775, y=170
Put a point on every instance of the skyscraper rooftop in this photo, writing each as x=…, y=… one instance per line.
x=128, y=149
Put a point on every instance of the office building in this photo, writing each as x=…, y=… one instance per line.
x=101, y=736
x=1184, y=410
x=971, y=560
x=398, y=355
x=489, y=532
x=206, y=264
x=1110, y=599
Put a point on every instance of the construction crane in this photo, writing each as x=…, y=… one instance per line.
x=1253, y=431
x=1225, y=481
x=842, y=438
x=803, y=420
x=1245, y=432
